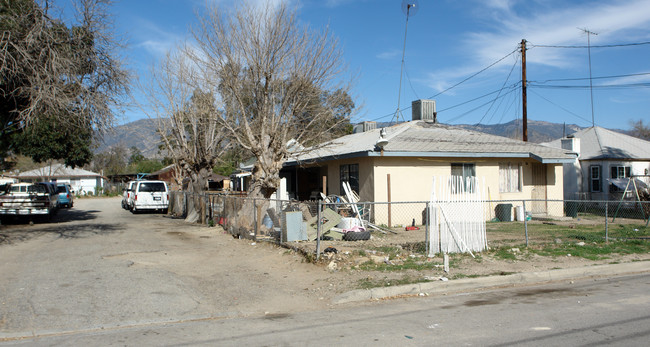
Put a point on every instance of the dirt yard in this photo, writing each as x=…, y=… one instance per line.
x=399, y=258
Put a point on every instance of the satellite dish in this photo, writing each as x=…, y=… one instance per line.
x=410, y=7
x=381, y=143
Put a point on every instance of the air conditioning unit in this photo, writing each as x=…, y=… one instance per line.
x=424, y=110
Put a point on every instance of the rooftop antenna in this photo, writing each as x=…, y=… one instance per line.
x=591, y=87
x=410, y=8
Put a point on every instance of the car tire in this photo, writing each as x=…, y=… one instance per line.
x=356, y=236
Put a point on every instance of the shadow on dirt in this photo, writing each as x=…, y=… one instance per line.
x=24, y=228
x=64, y=215
x=64, y=231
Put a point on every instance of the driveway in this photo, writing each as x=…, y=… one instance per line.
x=97, y=266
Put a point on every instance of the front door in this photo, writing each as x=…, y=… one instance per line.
x=539, y=189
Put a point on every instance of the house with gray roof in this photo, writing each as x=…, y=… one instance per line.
x=81, y=181
x=398, y=163
x=605, y=158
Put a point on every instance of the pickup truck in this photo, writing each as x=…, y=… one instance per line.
x=26, y=199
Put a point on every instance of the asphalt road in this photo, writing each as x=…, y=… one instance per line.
x=587, y=313
x=99, y=275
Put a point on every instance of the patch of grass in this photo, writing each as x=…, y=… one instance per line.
x=368, y=283
x=505, y=253
x=594, y=250
x=459, y=276
x=408, y=264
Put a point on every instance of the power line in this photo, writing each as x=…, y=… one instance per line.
x=502, y=87
x=474, y=75
x=596, y=78
x=454, y=86
x=558, y=106
x=599, y=46
x=512, y=87
x=478, y=107
x=602, y=86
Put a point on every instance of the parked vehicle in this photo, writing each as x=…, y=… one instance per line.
x=150, y=195
x=24, y=199
x=127, y=195
x=66, y=195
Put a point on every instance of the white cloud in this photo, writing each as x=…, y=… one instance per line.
x=389, y=54
x=546, y=23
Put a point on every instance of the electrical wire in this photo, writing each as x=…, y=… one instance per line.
x=512, y=86
x=600, y=46
x=587, y=78
x=478, y=107
x=602, y=86
x=560, y=107
x=502, y=87
x=475, y=74
x=456, y=85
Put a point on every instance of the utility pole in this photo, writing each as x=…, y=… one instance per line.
x=524, y=102
x=591, y=86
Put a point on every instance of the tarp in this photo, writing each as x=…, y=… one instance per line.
x=622, y=183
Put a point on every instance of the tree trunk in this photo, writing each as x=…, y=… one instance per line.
x=196, y=187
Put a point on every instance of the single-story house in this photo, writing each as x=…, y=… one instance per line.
x=604, y=158
x=81, y=181
x=400, y=162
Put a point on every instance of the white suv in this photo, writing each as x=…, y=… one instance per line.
x=126, y=195
x=150, y=195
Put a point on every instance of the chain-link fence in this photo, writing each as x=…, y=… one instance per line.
x=313, y=226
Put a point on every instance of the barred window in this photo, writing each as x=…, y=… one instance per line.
x=510, y=177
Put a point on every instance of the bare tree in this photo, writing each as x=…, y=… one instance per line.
x=189, y=121
x=640, y=130
x=66, y=74
x=278, y=81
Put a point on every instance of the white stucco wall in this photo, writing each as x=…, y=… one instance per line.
x=637, y=168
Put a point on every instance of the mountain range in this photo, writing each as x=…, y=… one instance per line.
x=142, y=133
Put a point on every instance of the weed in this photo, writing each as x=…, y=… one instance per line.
x=459, y=276
x=408, y=264
x=504, y=253
x=368, y=283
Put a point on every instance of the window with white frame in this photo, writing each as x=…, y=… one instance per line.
x=594, y=178
x=620, y=171
x=463, y=171
x=510, y=177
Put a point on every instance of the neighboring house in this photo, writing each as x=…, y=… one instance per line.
x=604, y=158
x=169, y=174
x=401, y=161
x=81, y=181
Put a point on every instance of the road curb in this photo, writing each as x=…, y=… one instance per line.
x=466, y=284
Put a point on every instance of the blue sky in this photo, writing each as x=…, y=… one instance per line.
x=448, y=42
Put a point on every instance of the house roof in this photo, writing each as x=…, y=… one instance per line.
x=426, y=139
x=600, y=143
x=57, y=170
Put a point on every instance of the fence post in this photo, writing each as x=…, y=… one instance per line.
x=525, y=221
x=255, y=218
x=426, y=230
x=606, y=222
x=318, y=230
